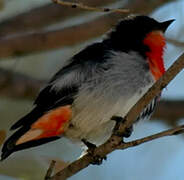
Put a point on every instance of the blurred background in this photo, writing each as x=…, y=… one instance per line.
x=36, y=38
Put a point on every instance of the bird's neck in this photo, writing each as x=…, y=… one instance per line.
x=156, y=42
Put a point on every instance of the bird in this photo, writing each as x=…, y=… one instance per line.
x=96, y=87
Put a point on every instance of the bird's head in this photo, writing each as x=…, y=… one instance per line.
x=143, y=35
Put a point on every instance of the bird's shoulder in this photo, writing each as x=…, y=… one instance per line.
x=64, y=85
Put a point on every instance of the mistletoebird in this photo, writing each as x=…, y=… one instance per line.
x=98, y=85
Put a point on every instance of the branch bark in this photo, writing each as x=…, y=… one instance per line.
x=174, y=131
x=21, y=45
x=50, y=170
x=115, y=142
x=73, y=168
x=89, y=8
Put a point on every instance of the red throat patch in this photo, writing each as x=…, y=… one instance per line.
x=156, y=42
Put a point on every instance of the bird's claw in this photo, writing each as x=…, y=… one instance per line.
x=119, y=120
x=96, y=160
x=88, y=144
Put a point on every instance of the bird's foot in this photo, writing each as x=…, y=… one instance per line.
x=89, y=144
x=97, y=160
x=119, y=120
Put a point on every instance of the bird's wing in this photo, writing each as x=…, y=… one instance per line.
x=64, y=85
x=47, y=121
x=52, y=113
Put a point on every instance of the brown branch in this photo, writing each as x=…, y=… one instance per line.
x=169, y=110
x=89, y=8
x=22, y=45
x=53, y=39
x=18, y=85
x=45, y=15
x=175, y=42
x=170, y=132
x=115, y=142
x=50, y=170
x=73, y=168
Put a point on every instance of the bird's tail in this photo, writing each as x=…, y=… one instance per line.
x=50, y=126
x=11, y=144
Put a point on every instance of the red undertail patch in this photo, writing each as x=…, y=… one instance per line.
x=53, y=123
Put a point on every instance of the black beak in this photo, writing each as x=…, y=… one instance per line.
x=164, y=25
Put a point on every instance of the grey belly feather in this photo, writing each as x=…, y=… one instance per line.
x=109, y=92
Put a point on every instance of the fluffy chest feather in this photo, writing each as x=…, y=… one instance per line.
x=108, y=93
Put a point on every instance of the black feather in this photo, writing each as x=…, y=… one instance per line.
x=147, y=112
x=49, y=99
x=28, y=119
x=127, y=36
x=10, y=144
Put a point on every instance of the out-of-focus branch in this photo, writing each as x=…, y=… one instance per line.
x=21, y=45
x=89, y=8
x=1, y=4
x=43, y=16
x=50, y=170
x=169, y=111
x=115, y=142
x=175, y=42
x=72, y=35
x=18, y=85
x=174, y=131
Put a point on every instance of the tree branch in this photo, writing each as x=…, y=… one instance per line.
x=170, y=111
x=175, y=42
x=21, y=45
x=89, y=8
x=18, y=85
x=174, y=131
x=50, y=170
x=45, y=15
x=115, y=142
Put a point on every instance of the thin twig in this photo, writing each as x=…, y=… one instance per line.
x=170, y=132
x=115, y=142
x=89, y=8
x=50, y=170
x=175, y=42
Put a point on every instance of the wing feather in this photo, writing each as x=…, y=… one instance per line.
x=50, y=116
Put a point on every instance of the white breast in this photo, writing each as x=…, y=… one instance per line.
x=111, y=93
